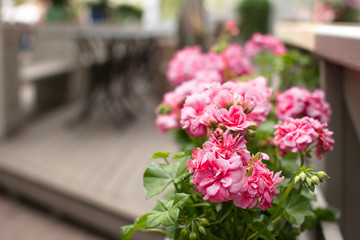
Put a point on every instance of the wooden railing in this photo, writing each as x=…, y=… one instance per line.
x=338, y=47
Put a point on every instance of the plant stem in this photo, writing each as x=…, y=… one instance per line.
x=302, y=158
x=283, y=199
x=235, y=223
x=246, y=232
x=200, y=205
x=176, y=188
x=222, y=219
x=276, y=160
x=167, y=162
x=157, y=230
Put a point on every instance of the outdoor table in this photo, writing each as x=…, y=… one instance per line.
x=130, y=54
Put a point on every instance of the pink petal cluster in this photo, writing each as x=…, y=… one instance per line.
x=235, y=60
x=233, y=105
x=215, y=177
x=224, y=170
x=298, y=102
x=323, y=12
x=264, y=42
x=257, y=92
x=297, y=134
x=166, y=122
x=184, y=65
x=231, y=27
x=317, y=107
x=187, y=62
x=261, y=184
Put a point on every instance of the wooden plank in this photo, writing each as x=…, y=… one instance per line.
x=299, y=34
x=100, y=165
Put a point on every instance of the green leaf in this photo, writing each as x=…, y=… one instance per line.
x=139, y=224
x=246, y=216
x=327, y=214
x=296, y=208
x=309, y=223
x=160, y=155
x=158, y=176
x=166, y=213
x=266, y=234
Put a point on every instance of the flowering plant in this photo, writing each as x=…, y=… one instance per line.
x=240, y=175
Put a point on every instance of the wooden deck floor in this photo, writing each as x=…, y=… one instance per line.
x=94, y=163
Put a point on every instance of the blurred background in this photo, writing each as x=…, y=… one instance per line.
x=79, y=83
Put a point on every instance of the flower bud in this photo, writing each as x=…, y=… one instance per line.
x=315, y=180
x=193, y=236
x=309, y=182
x=322, y=175
x=204, y=221
x=253, y=125
x=297, y=178
x=164, y=109
x=183, y=233
x=302, y=176
x=251, y=133
x=202, y=230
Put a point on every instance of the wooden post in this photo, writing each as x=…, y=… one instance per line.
x=10, y=113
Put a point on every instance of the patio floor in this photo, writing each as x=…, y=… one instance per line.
x=92, y=172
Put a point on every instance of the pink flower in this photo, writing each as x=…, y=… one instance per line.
x=261, y=184
x=297, y=102
x=323, y=12
x=231, y=27
x=224, y=99
x=172, y=99
x=185, y=64
x=260, y=42
x=325, y=140
x=325, y=143
x=317, y=107
x=233, y=119
x=295, y=134
x=214, y=61
x=227, y=143
x=191, y=114
x=257, y=93
x=216, y=178
x=208, y=75
x=291, y=103
x=167, y=122
x=208, y=118
x=236, y=61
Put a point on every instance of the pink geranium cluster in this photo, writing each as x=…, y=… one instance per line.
x=231, y=105
x=187, y=62
x=323, y=12
x=296, y=135
x=298, y=102
x=264, y=42
x=224, y=170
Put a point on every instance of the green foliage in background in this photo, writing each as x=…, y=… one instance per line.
x=254, y=15
x=296, y=67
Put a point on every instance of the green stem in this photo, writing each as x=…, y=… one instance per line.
x=222, y=219
x=157, y=230
x=235, y=223
x=276, y=220
x=283, y=199
x=167, y=162
x=302, y=158
x=276, y=159
x=176, y=188
x=246, y=232
x=200, y=205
